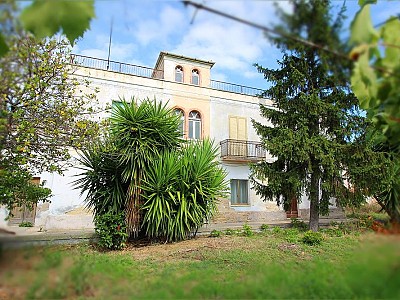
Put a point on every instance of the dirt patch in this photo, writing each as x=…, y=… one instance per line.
x=186, y=249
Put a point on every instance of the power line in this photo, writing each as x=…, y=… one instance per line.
x=285, y=35
x=264, y=28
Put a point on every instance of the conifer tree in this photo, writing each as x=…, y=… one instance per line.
x=315, y=117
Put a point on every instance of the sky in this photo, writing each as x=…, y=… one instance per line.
x=143, y=28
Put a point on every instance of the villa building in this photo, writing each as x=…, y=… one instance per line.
x=208, y=108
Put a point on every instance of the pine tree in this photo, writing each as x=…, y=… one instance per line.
x=315, y=117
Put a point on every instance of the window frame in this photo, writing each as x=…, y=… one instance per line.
x=238, y=192
x=181, y=113
x=194, y=121
x=195, y=74
x=179, y=71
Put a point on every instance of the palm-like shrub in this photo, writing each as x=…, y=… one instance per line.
x=101, y=178
x=141, y=132
x=181, y=190
x=163, y=186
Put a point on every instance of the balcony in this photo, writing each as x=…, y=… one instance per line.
x=242, y=151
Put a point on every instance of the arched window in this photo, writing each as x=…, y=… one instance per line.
x=178, y=74
x=194, y=125
x=195, y=77
x=181, y=114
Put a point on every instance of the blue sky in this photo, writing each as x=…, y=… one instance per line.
x=143, y=28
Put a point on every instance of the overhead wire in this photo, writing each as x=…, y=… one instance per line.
x=266, y=29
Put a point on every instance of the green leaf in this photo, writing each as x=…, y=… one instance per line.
x=391, y=38
x=46, y=18
x=364, y=82
x=3, y=46
x=362, y=29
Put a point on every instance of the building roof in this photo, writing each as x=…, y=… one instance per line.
x=190, y=59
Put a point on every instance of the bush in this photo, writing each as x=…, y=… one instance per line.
x=299, y=224
x=215, y=233
x=312, y=238
x=229, y=231
x=277, y=230
x=264, y=227
x=111, y=230
x=25, y=224
x=247, y=230
x=291, y=235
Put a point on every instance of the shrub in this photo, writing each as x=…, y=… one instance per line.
x=264, y=227
x=247, y=231
x=25, y=224
x=229, y=231
x=215, y=233
x=312, y=238
x=291, y=235
x=111, y=230
x=276, y=230
x=299, y=224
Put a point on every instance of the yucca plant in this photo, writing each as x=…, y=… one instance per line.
x=101, y=180
x=181, y=191
x=141, y=131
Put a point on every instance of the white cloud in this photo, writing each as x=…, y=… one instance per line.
x=168, y=22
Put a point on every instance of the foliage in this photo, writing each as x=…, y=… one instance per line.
x=315, y=117
x=25, y=224
x=298, y=224
x=264, y=227
x=42, y=116
x=141, y=132
x=45, y=18
x=383, y=185
x=101, y=178
x=17, y=188
x=181, y=190
x=312, y=238
x=292, y=235
x=247, y=230
x=111, y=230
x=230, y=231
x=215, y=233
x=167, y=190
x=375, y=73
x=45, y=112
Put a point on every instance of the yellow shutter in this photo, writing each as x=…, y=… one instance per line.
x=233, y=128
x=242, y=129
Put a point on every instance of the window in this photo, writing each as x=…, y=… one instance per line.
x=181, y=114
x=194, y=125
x=179, y=74
x=195, y=77
x=239, y=192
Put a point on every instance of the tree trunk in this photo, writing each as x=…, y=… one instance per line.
x=132, y=215
x=314, y=202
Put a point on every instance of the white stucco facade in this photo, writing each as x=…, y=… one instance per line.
x=218, y=110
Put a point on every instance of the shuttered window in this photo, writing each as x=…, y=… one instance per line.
x=239, y=192
x=237, y=128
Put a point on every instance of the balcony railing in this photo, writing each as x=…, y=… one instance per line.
x=242, y=150
x=235, y=88
x=115, y=66
x=130, y=69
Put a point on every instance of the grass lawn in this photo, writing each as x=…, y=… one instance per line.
x=269, y=265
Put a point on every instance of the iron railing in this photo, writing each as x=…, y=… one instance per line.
x=235, y=88
x=130, y=69
x=115, y=66
x=248, y=150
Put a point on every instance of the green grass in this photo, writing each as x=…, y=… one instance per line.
x=271, y=265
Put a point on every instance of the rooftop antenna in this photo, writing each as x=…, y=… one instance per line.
x=109, y=44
